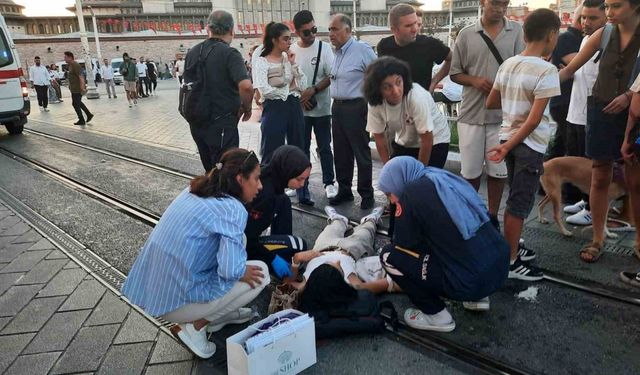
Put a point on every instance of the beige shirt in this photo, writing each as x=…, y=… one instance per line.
x=472, y=56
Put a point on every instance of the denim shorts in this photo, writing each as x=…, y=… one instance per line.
x=604, y=132
x=524, y=168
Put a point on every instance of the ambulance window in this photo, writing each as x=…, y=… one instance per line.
x=5, y=53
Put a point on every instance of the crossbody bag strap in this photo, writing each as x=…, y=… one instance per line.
x=492, y=47
x=203, y=63
x=315, y=72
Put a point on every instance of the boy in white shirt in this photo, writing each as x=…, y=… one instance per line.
x=522, y=88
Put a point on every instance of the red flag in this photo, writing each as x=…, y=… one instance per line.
x=248, y=28
x=126, y=25
x=262, y=27
x=152, y=26
x=192, y=28
x=255, y=28
x=116, y=21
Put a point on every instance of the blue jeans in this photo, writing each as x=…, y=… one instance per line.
x=321, y=127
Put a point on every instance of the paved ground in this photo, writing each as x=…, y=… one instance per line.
x=45, y=299
x=55, y=318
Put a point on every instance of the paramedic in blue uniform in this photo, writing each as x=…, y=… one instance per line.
x=193, y=269
x=289, y=167
x=443, y=245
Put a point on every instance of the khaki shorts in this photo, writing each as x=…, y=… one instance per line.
x=474, y=142
x=130, y=86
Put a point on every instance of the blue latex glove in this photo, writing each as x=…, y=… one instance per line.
x=281, y=267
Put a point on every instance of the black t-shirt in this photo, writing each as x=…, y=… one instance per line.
x=224, y=70
x=420, y=55
x=151, y=71
x=568, y=43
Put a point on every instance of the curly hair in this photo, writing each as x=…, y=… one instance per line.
x=378, y=71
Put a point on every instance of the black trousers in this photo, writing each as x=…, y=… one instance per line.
x=438, y=157
x=351, y=141
x=576, y=146
x=78, y=105
x=43, y=95
x=214, y=139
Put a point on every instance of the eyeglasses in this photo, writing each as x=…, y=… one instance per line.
x=308, y=32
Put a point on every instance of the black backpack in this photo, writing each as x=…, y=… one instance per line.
x=194, y=101
x=362, y=315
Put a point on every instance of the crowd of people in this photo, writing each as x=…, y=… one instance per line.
x=217, y=244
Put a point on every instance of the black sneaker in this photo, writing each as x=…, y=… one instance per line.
x=367, y=203
x=89, y=117
x=524, y=253
x=340, y=198
x=307, y=202
x=523, y=271
x=631, y=278
x=80, y=123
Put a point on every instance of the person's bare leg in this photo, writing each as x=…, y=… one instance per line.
x=601, y=174
x=475, y=182
x=512, y=232
x=632, y=176
x=495, y=187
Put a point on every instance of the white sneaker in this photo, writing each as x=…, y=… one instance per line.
x=581, y=218
x=480, y=305
x=290, y=193
x=331, y=191
x=575, y=208
x=439, y=322
x=242, y=315
x=374, y=216
x=334, y=215
x=46, y=109
x=196, y=341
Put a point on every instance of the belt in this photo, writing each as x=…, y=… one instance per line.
x=347, y=101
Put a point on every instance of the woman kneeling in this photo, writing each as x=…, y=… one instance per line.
x=193, y=269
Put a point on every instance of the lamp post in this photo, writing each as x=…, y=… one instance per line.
x=450, y=22
x=355, y=21
x=92, y=92
x=95, y=34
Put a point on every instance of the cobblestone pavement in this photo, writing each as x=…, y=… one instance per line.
x=55, y=318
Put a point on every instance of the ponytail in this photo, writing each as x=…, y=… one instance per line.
x=272, y=31
x=221, y=180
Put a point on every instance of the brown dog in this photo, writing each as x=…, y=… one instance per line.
x=574, y=170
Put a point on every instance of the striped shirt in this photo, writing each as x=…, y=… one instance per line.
x=194, y=255
x=521, y=80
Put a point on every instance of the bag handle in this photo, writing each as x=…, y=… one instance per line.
x=315, y=72
x=604, y=40
x=492, y=47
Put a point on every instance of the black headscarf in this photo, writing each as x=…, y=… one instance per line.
x=287, y=162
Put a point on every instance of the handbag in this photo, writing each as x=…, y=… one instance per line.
x=284, y=297
x=275, y=76
x=313, y=102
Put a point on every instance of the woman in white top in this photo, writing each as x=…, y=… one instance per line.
x=403, y=109
x=280, y=81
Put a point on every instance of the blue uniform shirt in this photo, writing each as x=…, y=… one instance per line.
x=347, y=72
x=194, y=255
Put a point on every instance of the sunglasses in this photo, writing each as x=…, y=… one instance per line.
x=308, y=32
x=251, y=153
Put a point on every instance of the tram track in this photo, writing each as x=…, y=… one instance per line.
x=550, y=276
x=424, y=340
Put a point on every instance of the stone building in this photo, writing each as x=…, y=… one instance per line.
x=13, y=16
x=369, y=12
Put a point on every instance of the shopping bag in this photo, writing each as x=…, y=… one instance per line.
x=287, y=349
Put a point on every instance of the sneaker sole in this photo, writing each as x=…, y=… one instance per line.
x=447, y=328
x=181, y=335
x=483, y=307
x=524, y=277
x=219, y=326
x=528, y=259
x=629, y=281
x=582, y=223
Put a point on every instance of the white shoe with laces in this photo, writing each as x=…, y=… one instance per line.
x=374, y=216
x=334, y=215
x=331, y=191
x=242, y=315
x=575, y=208
x=196, y=340
x=439, y=322
x=581, y=218
x=480, y=305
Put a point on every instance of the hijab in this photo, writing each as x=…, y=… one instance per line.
x=286, y=162
x=462, y=202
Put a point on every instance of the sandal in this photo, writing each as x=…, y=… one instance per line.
x=594, y=250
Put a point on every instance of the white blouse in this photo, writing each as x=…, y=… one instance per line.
x=291, y=73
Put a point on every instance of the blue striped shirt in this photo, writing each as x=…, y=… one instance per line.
x=194, y=255
x=347, y=72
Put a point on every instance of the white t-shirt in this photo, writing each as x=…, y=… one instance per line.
x=416, y=114
x=347, y=263
x=180, y=67
x=521, y=80
x=583, y=81
x=635, y=87
x=142, y=69
x=306, y=58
